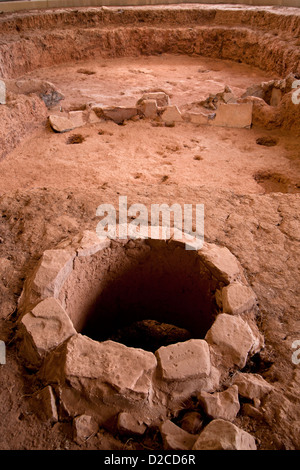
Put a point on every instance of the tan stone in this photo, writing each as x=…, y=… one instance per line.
x=106, y=369
x=252, y=386
x=118, y=114
x=84, y=427
x=77, y=118
x=175, y=438
x=237, y=115
x=129, y=425
x=221, y=262
x=161, y=98
x=148, y=108
x=172, y=114
x=44, y=328
x=182, y=361
x=223, y=435
x=233, y=337
x=93, y=118
x=223, y=405
x=53, y=270
x=61, y=123
x=237, y=298
x=91, y=244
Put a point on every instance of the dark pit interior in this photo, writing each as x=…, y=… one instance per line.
x=145, y=297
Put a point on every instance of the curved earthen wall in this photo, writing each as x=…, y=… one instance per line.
x=264, y=37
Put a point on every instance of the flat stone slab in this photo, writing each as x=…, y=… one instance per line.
x=118, y=114
x=91, y=244
x=223, y=435
x=45, y=328
x=172, y=114
x=61, y=123
x=238, y=115
x=183, y=361
x=233, y=337
x=237, y=299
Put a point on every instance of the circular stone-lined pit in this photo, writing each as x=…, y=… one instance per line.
x=95, y=287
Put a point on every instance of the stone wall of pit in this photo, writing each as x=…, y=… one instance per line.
x=104, y=379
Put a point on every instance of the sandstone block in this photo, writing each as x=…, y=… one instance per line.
x=223, y=405
x=175, y=438
x=129, y=425
x=161, y=98
x=221, y=262
x=118, y=114
x=108, y=369
x=233, y=337
x=53, y=270
x=237, y=115
x=237, y=299
x=223, y=435
x=171, y=114
x=148, y=108
x=91, y=244
x=77, y=118
x=60, y=123
x=198, y=118
x=183, y=361
x=252, y=386
x=44, y=328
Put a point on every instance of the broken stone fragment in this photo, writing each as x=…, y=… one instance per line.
x=129, y=425
x=223, y=435
x=60, y=123
x=2, y=92
x=221, y=262
x=237, y=299
x=53, y=270
x=148, y=108
x=84, y=427
x=221, y=405
x=175, y=438
x=233, y=337
x=106, y=370
x=44, y=328
x=182, y=361
x=252, y=386
x=238, y=115
x=43, y=403
x=161, y=98
x=118, y=114
x=171, y=114
x=197, y=118
x=91, y=244
x=77, y=118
